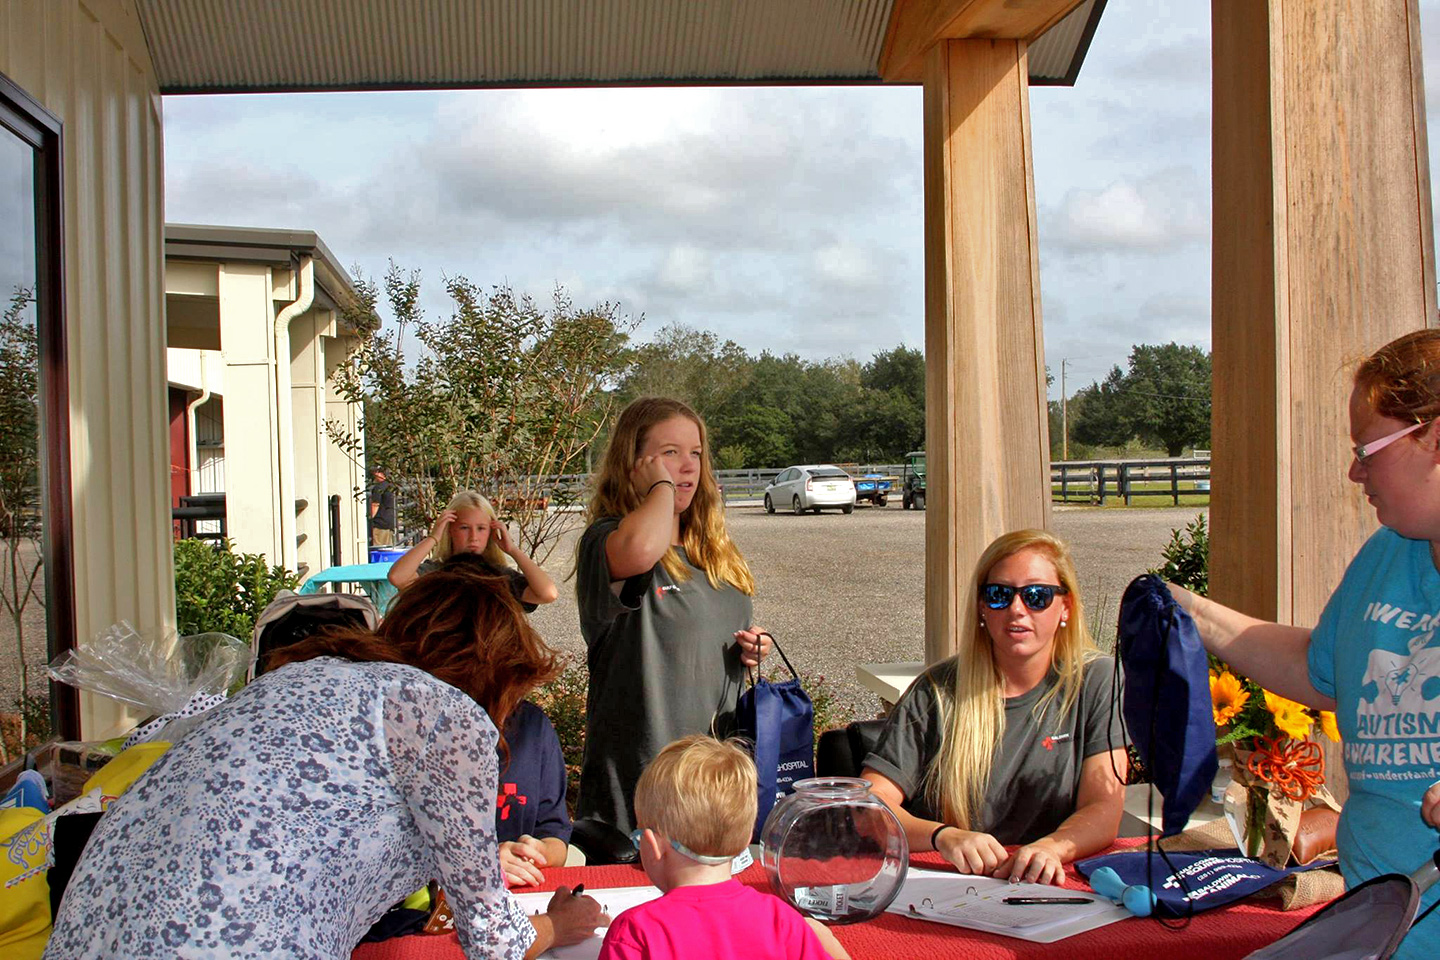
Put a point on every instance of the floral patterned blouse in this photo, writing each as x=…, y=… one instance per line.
x=293, y=817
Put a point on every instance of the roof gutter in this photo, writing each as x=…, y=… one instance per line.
x=289, y=547
x=190, y=423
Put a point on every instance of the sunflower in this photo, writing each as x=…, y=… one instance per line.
x=1227, y=697
x=1292, y=718
x=1328, y=724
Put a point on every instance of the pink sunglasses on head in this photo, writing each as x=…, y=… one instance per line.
x=1365, y=451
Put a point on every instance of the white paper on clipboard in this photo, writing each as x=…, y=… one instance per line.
x=975, y=903
x=613, y=900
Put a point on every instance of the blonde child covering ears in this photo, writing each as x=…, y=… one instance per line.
x=470, y=527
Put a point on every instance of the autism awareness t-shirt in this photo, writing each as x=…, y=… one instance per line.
x=1376, y=650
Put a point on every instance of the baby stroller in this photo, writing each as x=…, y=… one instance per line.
x=1367, y=923
x=291, y=617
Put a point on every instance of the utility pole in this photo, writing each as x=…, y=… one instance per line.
x=1064, y=417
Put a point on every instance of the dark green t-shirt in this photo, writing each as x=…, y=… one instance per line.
x=663, y=662
x=1036, y=777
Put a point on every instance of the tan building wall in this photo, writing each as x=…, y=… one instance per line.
x=86, y=61
x=232, y=305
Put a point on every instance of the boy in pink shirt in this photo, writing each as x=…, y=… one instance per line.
x=695, y=804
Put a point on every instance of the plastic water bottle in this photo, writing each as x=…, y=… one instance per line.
x=1221, y=782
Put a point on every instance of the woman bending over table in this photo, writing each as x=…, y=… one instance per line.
x=664, y=599
x=294, y=814
x=1009, y=741
x=1373, y=657
x=469, y=526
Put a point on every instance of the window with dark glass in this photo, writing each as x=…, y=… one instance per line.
x=36, y=607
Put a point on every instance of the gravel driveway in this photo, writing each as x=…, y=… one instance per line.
x=841, y=590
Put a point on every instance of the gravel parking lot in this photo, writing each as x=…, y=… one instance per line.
x=841, y=590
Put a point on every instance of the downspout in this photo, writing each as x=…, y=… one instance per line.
x=190, y=409
x=289, y=550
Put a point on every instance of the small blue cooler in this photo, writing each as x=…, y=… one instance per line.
x=387, y=554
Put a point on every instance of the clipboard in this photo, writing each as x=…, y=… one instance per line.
x=975, y=903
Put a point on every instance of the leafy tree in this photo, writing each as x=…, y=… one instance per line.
x=1098, y=414
x=497, y=397
x=1167, y=395
x=689, y=365
x=902, y=368
x=22, y=582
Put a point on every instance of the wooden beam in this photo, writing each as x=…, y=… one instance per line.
x=917, y=25
x=1323, y=250
x=986, y=416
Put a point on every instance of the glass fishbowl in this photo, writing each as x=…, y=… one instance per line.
x=834, y=850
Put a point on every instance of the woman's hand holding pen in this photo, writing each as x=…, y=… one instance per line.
x=573, y=916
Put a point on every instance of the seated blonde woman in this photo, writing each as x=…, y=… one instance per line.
x=469, y=526
x=1010, y=742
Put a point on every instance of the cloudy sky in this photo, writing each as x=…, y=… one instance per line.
x=784, y=218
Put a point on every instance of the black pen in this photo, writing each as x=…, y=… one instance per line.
x=579, y=889
x=1027, y=901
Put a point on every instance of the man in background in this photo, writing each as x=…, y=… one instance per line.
x=382, y=510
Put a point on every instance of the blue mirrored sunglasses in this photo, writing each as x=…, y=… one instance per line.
x=683, y=850
x=1036, y=596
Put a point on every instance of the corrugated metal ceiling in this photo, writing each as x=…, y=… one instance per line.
x=255, y=45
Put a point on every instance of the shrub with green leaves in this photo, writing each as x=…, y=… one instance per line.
x=220, y=591
x=1187, y=557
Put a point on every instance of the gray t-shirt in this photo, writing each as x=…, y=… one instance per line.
x=1036, y=776
x=663, y=662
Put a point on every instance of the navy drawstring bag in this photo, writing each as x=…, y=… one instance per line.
x=779, y=719
x=1167, y=708
x=1193, y=881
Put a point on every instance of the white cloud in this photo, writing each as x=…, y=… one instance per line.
x=786, y=218
x=1154, y=215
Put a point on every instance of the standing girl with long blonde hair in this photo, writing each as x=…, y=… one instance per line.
x=1009, y=741
x=664, y=598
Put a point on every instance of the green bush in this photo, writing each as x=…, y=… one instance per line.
x=1187, y=557
x=220, y=591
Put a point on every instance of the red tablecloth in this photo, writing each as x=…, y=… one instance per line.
x=1220, y=934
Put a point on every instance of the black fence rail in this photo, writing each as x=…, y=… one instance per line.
x=1095, y=481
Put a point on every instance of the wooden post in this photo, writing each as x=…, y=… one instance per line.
x=1323, y=251
x=987, y=427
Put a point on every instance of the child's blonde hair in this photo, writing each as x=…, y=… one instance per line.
x=701, y=792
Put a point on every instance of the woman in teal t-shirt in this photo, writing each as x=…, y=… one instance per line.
x=1374, y=657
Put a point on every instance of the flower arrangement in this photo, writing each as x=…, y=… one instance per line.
x=1276, y=759
x=1245, y=712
